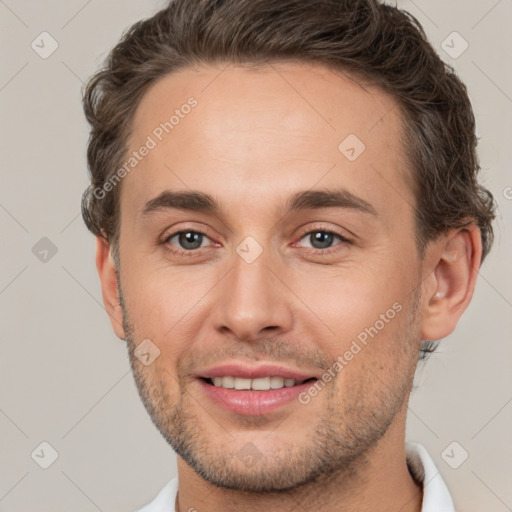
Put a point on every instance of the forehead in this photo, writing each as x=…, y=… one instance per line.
x=268, y=130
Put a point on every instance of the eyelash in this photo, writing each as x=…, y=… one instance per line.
x=314, y=251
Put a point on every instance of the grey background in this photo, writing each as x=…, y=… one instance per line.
x=65, y=377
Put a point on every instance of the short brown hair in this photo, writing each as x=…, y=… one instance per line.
x=371, y=40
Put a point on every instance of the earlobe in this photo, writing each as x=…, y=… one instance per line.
x=109, y=286
x=449, y=288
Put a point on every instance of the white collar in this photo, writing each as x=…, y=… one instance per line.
x=436, y=497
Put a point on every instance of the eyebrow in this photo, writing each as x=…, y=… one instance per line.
x=304, y=200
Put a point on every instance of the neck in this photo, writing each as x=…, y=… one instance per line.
x=381, y=482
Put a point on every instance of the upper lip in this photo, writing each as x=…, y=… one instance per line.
x=253, y=372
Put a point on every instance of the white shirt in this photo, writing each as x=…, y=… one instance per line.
x=436, y=497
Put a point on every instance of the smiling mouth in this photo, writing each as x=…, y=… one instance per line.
x=257, y=384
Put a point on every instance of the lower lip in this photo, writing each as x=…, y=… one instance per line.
x=253, y=403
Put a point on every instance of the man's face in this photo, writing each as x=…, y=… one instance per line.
x=254, y=288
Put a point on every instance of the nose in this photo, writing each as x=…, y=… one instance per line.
x=253, y=301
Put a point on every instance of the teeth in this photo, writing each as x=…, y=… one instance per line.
x=226, y=382
x=276, y=382
x=242, y=383
x=259, y=384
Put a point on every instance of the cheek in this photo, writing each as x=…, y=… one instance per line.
x=378, y=362
x=371, y=336
x=165, y=303
x=352, y=299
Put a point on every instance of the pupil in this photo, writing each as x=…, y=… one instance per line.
x=190, y=240
x=321, y=240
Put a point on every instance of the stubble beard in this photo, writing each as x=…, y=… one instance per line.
x=337, y=446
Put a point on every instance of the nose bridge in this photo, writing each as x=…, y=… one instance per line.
x=252, y=298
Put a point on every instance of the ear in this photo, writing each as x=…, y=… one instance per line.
x=109, y=286
x=449, y=288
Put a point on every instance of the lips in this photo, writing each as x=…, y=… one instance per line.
x=251, y=391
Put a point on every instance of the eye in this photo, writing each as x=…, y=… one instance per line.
x=320, y=239
x=187, y=240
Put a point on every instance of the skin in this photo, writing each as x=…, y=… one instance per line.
x=256, y=137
